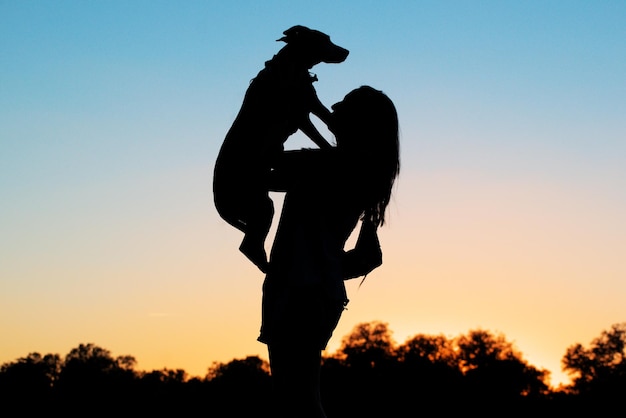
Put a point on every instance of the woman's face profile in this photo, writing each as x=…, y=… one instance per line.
x=341, y=117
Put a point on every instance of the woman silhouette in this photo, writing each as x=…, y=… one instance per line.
x=327, y=193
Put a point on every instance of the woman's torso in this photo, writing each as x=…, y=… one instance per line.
x=320, y=211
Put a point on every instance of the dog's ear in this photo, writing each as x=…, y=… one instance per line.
x=292, y=33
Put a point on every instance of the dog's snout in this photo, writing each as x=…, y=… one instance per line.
x=335, y=54
x=340, y=55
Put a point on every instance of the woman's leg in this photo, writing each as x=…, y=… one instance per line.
x=296, y=380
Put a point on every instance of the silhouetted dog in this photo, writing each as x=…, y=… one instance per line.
x=277, y=103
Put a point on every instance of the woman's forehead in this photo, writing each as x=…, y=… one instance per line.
x=351, y=95
x=349, y=98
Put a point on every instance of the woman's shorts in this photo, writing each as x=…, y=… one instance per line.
x=298, y=315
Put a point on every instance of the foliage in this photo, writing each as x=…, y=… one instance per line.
x=493, y=366
x=242, y=384
x=29, y=381
x=369, y=375
x=599, y=372
x=476, y=370
x=369, y=345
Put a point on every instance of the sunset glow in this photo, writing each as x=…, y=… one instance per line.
x=508, y=214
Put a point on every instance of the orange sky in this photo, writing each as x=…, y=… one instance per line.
x=508, y=215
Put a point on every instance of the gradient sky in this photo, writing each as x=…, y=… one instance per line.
x=509, y=214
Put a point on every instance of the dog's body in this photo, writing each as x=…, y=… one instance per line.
x=277, y=103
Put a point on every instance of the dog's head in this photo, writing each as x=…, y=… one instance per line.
x=315, y=45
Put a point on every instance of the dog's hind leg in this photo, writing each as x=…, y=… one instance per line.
x=257, y=229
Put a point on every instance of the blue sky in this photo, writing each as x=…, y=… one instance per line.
x=512, y=192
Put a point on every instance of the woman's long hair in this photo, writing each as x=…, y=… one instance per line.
x=367, y=130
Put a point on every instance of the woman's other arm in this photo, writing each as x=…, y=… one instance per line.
x=366, y=255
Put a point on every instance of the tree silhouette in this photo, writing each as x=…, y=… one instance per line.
x=353, y=377
x=475, y=370
x=429, y=367
x=166, y=392
x=29, y=382
x=424, y=349
x=89, y=364
x=250, y=368
x=493, y=369
x=92, y=379
x=241, y=387
x=165, y=377
x=369, y=345
x=599, y=372
x=370, y=375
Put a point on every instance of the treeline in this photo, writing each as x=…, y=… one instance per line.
x=369, y=376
